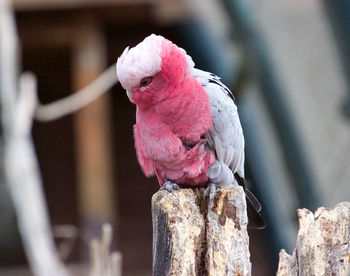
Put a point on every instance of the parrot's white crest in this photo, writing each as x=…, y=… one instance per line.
x=141, y=61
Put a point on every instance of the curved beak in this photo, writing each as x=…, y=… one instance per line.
x=129, y=94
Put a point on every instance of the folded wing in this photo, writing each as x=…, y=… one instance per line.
x=226, y=137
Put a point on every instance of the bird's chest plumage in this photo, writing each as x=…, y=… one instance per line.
x=170, y=137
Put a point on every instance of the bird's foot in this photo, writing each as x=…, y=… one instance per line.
x=210, y=191
x=169, y=186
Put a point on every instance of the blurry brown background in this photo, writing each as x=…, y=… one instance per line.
x=88, y=163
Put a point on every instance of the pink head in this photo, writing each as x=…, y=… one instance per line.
x=151, y=70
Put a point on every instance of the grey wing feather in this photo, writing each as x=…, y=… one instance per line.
x=226, y=137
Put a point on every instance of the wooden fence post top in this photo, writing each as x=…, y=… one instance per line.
x=227, y=236
x=192, y=236
x=323, y=243
x=178, y=228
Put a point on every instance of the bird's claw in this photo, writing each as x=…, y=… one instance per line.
x=169, y=186
x=210, y=191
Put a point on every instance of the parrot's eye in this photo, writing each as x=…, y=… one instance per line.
x=145, y=81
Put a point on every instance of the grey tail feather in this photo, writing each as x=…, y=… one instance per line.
x=253, y=206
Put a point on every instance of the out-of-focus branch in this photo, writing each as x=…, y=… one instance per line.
x=102, y=262
x=68, y=235
x=18, y=106
x=79, y=99
x=20, y=164
x=24, y=183
x=8, y=62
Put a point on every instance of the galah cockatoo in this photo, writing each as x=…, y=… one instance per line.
x=187, y=129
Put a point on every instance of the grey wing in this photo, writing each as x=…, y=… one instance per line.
x=226, y=137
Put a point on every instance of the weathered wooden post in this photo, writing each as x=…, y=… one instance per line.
x=323, y=244
x=192, y=237
x=178, y=232
x=226, y=234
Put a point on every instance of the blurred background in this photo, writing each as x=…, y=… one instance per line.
x=287, y=63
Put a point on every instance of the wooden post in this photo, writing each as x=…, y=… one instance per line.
x=192, y=237
x=227, y=236
x=92, y=127
x=323, y=244
x=178, y=233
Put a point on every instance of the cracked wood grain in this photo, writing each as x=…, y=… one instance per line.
x=194, y=237
x=323, y=243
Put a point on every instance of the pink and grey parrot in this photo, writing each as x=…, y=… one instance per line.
x=187, y=129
